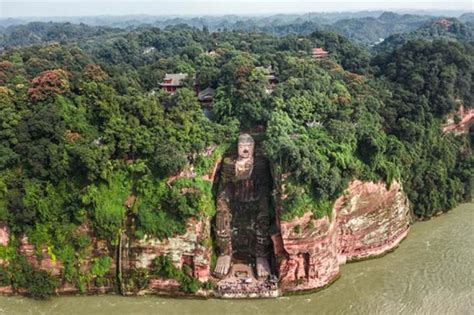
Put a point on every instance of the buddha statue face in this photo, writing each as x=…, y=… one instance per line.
x=246, y=146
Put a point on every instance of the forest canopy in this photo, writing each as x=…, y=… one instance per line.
x=88, y=137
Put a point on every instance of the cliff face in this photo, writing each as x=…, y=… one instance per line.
x=307, y=258
x=42, y=259
x=192, y=249
x=367, y=220
x=371, y=220
x=187, y=249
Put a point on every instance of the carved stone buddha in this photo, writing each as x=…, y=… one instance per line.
x=242, y=221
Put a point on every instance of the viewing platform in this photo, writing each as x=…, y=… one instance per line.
x=241, y=283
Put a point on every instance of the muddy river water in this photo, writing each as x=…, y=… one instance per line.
x=432, y=272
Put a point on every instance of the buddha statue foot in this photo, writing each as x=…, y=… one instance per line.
x=222, y=265
x=263, y=268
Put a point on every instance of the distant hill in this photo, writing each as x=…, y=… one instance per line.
x=371, y=30
x=40, y=32
x=450, y=29
x=467, y=18
x=366, y=27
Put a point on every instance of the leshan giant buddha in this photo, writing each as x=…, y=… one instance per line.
x=242, y=222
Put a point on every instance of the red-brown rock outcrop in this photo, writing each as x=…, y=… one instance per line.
x=191, y=248
x=4, y=235
x=466, y=120
x=42, y=259
x=309, y=259
x=186, y=249
x=369, y=219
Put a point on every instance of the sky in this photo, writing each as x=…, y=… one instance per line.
x=47, y=8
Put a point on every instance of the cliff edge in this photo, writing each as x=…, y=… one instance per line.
x=369, y=219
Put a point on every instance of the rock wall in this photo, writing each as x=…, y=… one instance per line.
x=187, y=249
x=368, y=220
x=4, y=235
x=466, y=120
x=4, y=239
x=371, y=220
x=308, y=257
x=43, y=260
x=193, y=248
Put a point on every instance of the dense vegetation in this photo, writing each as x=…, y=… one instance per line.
x=454, y=30
x=89, y=142
x=366, y=28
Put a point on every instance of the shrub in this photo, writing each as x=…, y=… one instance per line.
x=41, y=285
x=100, y=268
x=4, y=277
x=139, y=278
x=162, y=211
x=107, y=201
x=162, y=266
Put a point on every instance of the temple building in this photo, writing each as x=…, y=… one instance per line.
x=206, y=97
x=173, y=81
x=319, y=53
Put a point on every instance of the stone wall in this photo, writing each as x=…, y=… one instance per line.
x=369, y=219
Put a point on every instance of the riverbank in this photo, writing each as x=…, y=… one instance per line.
x=430, y=273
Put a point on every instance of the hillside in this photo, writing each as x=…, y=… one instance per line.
x=369, y=31
x=109, y=149
x=447, y=29
x=365, y=28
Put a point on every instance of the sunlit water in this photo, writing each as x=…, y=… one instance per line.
x=432, y=272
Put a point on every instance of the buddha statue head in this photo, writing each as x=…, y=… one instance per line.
x=244, y=163
x=245, y=146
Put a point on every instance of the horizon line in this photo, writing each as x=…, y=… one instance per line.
x=388, y=10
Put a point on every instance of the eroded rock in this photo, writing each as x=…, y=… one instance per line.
x=186, y=249
x=369, y=219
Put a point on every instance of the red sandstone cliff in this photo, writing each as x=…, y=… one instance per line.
x=466, y=119
x=42, y=260
x=191, y=249
x=371, y=219
x=309, y=256
x=186, y=249
x=367, y=220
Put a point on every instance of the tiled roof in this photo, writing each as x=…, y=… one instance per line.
x=173, y=79
x=206, y=94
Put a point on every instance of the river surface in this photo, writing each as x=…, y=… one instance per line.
x=432, y=272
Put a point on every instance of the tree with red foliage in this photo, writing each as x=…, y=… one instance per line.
x=48, y=84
